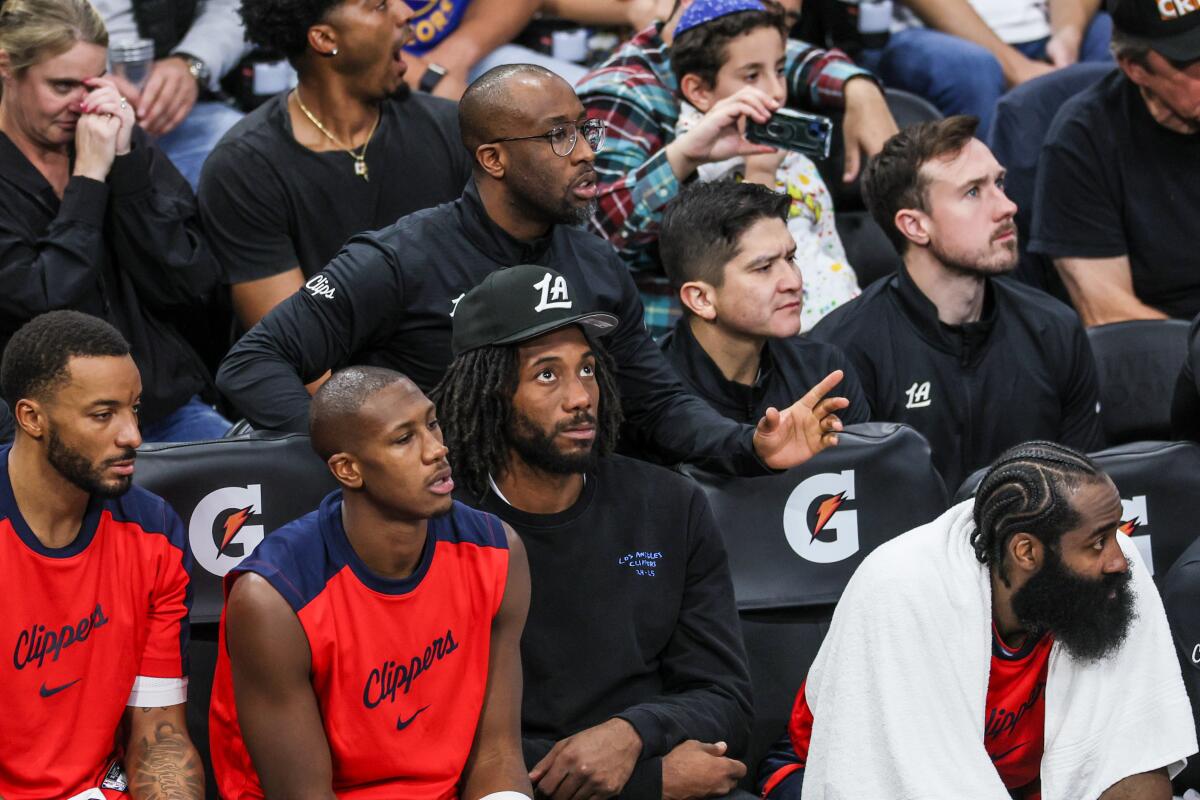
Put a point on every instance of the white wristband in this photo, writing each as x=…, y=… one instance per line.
x=506, y=795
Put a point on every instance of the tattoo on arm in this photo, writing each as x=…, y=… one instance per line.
x=166, y=768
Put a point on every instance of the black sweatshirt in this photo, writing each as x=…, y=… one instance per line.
x=386, y=301
x=1023, y=371
x=632, y=616
x=787, y=369
x=127, y=250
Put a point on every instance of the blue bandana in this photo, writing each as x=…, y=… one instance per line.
x=701, y=12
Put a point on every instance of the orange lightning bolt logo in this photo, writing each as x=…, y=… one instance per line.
x=233, y=524
x=825, y=511
x=1129, y=526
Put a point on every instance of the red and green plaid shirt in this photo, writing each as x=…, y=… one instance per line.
x=637, y=94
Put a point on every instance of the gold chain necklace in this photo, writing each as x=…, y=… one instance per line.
x=360, y=158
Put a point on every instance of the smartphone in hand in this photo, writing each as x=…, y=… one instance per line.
x=793, y=130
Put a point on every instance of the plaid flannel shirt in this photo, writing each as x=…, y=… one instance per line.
x=637, y=94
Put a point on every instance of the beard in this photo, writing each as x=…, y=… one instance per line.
x=1077, y=610
x=537, y=448
x=75, y=467
x=982, y=262
x=538, y=198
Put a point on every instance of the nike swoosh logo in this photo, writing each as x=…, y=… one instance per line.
x=402, y=723
x=999, y=756
x=44, y=692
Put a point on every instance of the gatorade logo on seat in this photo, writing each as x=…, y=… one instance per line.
x=218, y=532
x=816, y=522
x=1135, y=523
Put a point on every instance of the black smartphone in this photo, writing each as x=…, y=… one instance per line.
x=797, y=131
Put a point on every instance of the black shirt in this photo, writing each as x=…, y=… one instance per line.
x=270, y=204
x=1113, y=182
x=1023, y=371
x=1185, y=408
x=632, y=615
x=787, y=369
x=386, y=300
x=127, y=250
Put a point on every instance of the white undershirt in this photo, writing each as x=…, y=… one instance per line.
x=500, y=494
x=1014, y=21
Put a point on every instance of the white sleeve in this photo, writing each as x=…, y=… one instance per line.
x=157, y=692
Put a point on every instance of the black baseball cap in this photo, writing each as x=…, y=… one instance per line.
x=1172, y=27
x=519, y=303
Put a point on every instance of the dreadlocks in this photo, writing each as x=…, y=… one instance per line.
x=474, y=403
x=1027, y=489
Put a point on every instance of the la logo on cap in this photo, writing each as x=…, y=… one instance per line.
x=1173, y=9
x=554, y=293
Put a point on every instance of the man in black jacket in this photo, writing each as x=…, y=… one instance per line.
x=729, y=254
x=388, y=298
x=635, y=676
x=972, y=360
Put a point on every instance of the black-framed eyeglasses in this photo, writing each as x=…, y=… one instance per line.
x=563, y=137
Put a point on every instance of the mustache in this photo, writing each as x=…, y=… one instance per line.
x=129, y=454
x=581, y=418
x=1005, y=230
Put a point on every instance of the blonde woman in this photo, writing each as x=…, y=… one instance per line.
x=92, y=217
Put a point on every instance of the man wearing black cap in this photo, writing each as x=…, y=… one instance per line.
x=387, y=299
x=635, y=676
x=1119, y=180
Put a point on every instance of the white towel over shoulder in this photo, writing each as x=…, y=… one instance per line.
x=899, y=686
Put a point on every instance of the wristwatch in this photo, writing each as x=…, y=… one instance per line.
x=199, y=70
x=431, y=77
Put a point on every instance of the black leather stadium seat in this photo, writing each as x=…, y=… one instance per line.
x=273, y=478
x=878, y=483
x=795, y=538
x=235, y=488
x=1159, y=483
x=1137, y=364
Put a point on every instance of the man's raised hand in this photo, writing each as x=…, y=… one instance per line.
x=787, y=438
x=720, y=134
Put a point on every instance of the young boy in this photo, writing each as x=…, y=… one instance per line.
x=728, y=251
x=720, y=47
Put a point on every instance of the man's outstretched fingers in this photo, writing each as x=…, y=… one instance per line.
x=823, y=388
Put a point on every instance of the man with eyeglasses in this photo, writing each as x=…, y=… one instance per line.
x=1118, y=181
x=389, y=297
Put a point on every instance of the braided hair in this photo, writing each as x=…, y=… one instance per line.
x=474, y=403
x=1027, y=490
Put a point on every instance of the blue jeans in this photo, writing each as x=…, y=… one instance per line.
x=189, y=144
x=193, y=421
x=961, y=77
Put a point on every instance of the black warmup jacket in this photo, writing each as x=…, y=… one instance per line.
x=1023, y=371
x=128, y=250
x=788, y=368
x=631, y=615
x=386, y=300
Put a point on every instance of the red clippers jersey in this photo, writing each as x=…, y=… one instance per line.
x=79, y=624
x=1015, y=730
x=399, y=667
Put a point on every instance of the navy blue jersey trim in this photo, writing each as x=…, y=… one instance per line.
x=339, y=544
x=1002, y=651
x=10, y=511
x=470, y=525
